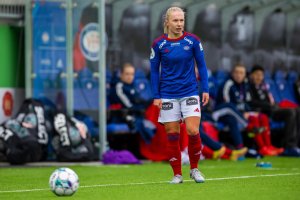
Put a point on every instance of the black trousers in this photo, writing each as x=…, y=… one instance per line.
x=291, y=119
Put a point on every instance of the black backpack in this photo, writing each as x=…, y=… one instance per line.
x=71, y=141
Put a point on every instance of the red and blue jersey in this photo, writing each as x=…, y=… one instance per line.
x=173, y=67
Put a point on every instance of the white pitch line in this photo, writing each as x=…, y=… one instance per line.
x=156, y=182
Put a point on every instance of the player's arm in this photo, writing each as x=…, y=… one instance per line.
x=202, y=69
x=155, y=64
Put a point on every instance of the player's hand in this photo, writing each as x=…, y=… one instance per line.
x=158, y=103
x=205, y=98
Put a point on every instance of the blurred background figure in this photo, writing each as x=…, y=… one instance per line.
x=263, y=101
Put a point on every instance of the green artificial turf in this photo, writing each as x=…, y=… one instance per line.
x=224, y=180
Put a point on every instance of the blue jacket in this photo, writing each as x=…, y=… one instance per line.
x=126, y=95
x=237, y=94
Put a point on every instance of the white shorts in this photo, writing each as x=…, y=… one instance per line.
x=174, y=110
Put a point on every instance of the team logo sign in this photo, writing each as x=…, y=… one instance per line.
x=7, y=104
x=167, y=106
x=90, y=42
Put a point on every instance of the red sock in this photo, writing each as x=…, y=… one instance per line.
x=174, y=154
x=259, y=140
x=264, y=121
x=207, y=152
x=267, y=137
x=194, y=150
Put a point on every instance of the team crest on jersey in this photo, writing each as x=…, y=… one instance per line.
x=186, y=48
x=152, y=55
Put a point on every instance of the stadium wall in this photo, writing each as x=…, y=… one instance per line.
x=11, y=71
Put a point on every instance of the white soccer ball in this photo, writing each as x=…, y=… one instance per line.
x=64, y=182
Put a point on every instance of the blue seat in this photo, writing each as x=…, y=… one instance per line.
x=220, y=77
x=285, y=90
x=292, y=76
x=139, y=74
x=143, y=88
x=273, y=89
x=115, y=128
x=212, y=85
x=142, y=85
x=86, y=92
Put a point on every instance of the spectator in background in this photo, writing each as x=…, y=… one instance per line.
x=123, y=94
x=236, y=91
x=263, y=101
x=128, y=106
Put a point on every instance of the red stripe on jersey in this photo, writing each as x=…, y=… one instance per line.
x=157, y=40
x=192, y=35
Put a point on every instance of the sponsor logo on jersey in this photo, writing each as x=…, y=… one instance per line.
x=152, y=55
x=186, y=48
x=167, y=106
x=200, y=45
x=162, y=44
x=197, y=110
x=175, y=44
x=191, y=101
x=188, y=40
x=90, y=42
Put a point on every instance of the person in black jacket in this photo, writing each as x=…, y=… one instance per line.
x=263, y=101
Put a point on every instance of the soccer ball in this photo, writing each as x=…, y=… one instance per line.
x=64, y=182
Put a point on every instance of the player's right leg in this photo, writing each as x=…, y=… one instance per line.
x=170, y=116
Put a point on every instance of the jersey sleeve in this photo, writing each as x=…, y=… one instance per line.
x=199, y=57
x=155, y=64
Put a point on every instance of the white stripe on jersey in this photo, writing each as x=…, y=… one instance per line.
x=122, y=96
x=226, y=89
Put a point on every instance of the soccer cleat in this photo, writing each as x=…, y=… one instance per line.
x=265, y=151
x=277, y=150
x=219, y=153
x=197, y=175
x=236, y=154
x=177, y=179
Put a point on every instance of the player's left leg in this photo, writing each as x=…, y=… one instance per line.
x=190, y=108
x=194, y=147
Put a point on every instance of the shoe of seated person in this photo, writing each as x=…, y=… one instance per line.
x=219, y=153
x=277, y=150
x=238, y=153
x=265, y=151
x=177, y=179
x=290, y=152
x=197, y=175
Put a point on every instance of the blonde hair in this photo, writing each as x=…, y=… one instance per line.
x=166, y=16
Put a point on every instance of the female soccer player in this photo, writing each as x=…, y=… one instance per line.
x=176, y=91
